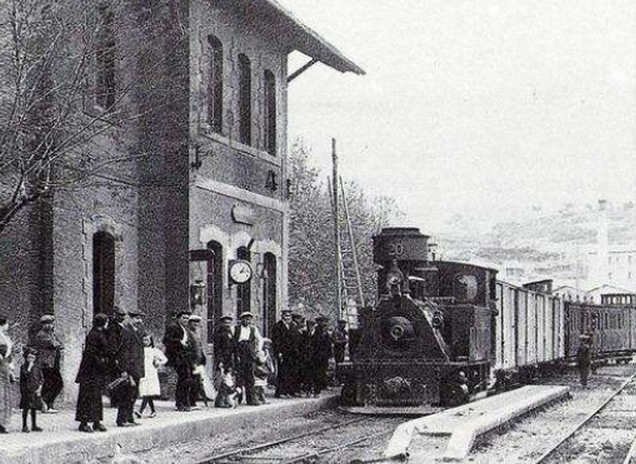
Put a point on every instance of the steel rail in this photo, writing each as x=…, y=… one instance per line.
x=580, y=425
x=333, y=449
x=271, y=444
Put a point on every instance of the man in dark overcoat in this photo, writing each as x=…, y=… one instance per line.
x=126, y=341
x=114, y=336
x=306, y=356
x=584, y=358
x=340, y=338
x=223, y=341
x=178, y=353
x=321, y=353
x=286, y=349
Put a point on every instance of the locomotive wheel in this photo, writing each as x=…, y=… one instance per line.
x=454, y=394
x=348, y=394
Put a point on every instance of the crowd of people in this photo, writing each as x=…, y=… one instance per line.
x=120, y=359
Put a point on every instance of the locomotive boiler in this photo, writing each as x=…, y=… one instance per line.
x=428, y=340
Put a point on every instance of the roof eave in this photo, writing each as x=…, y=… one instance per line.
x=307, y=41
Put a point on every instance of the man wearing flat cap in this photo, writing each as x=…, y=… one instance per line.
x=223, y=341
x=340, y=337
x=247, y=339
x=286, y=348
x=49, y=348
x=177, y=351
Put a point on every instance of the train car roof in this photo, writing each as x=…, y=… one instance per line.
x=467, y=264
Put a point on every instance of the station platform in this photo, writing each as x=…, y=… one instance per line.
x=459, y=427
x=62, y=443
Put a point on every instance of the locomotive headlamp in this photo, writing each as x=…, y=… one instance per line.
x=394, y=278
x=396, y=332
x=437, y=320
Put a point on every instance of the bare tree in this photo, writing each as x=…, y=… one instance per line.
x=312, y=268
x=59, y=100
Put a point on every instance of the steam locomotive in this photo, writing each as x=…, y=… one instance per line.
x=442, y=330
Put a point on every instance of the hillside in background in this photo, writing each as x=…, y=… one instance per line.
x=552, y=244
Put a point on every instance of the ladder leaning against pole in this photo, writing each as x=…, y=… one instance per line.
x=351, y=292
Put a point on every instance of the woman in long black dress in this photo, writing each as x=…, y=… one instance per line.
x=91, y=377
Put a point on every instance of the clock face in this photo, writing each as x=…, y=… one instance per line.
x=240, y=271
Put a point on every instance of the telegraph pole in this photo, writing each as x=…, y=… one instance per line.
x=336, y=215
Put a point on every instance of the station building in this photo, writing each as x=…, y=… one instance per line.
x=197, y=217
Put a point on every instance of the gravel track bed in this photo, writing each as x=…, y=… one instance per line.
x=605, y=439
x=258, y=433
x=366, y=449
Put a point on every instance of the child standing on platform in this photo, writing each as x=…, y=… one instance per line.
x=149, y=384
x=31, y=381
x=263, y=367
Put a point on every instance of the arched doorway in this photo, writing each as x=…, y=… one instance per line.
x=269, y=293
x=103, y=273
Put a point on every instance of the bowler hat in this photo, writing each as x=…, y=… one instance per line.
x=28, y=350
x=245, y=314
x=47, y=319
x=120, y=311
x=286, y=311
x=100, y=320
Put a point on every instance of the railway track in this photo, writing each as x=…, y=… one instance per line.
x=569, y=443
x=309, y=446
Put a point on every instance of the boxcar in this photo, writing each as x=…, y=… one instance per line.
x=528, y=328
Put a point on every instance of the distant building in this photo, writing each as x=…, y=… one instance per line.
x=615, y=265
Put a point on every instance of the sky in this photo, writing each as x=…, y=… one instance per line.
x=478, y=108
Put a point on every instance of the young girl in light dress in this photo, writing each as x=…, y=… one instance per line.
x=263, y=368
x=149, y=384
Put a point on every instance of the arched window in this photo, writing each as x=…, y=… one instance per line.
x=215, y=85
x=105, y=58
x=270, y=112
x=245, y=100
x=103, y=273
x=214, y=287
x=269, y=293
x=243, y=291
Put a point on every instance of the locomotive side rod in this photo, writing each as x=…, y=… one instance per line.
x=577, y=427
